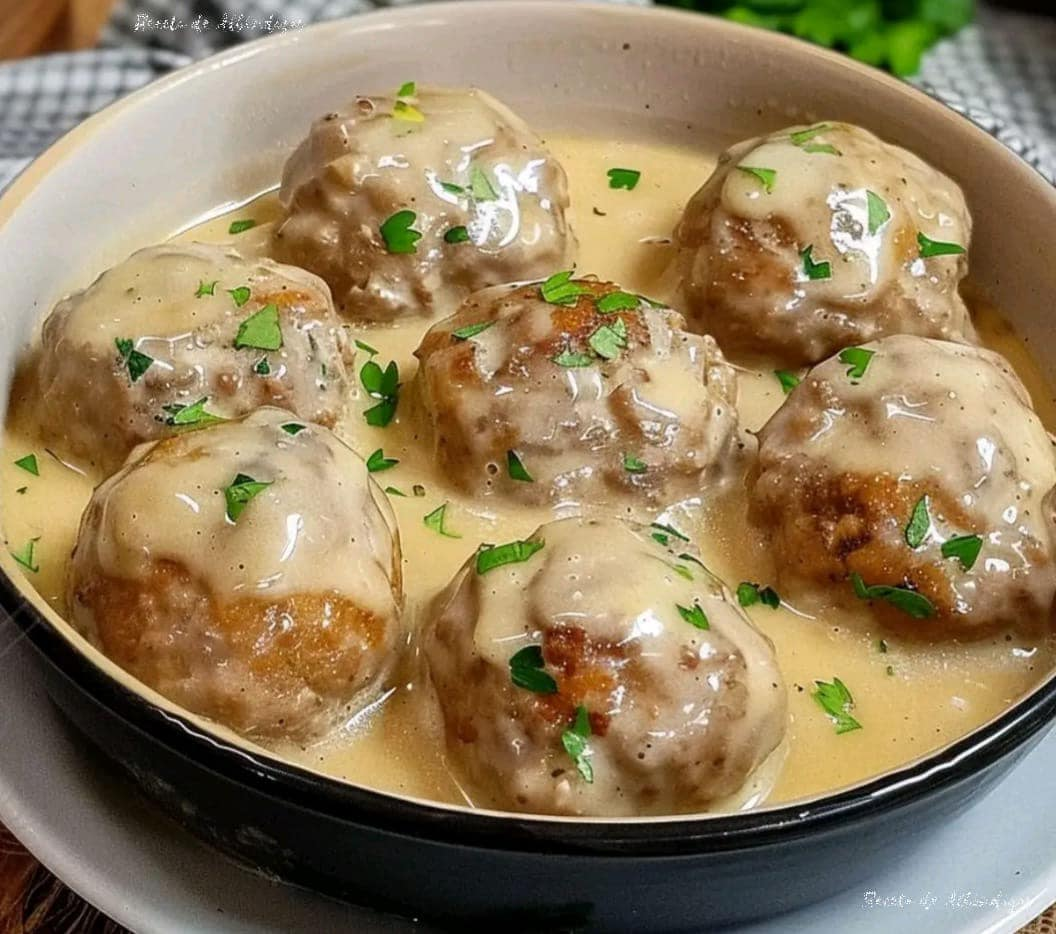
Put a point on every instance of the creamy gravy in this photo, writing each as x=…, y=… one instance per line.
x=909, y=699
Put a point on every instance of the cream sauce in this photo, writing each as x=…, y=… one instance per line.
x=909, y=700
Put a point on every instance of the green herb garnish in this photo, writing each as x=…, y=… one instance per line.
x=238, y=227
x=633, y=464
x=693, y=615
x=457, y=235
x=241, y=491
x=801, y=137
x=383, y=385
x=766, y=176
x=609, y=339
x=516, y=469
x=194, y=415
x=837, y=702
x=626, y=179
x=929, y=247
x=965, y=548
x=137, y=363
x=919, y=524
x=260, y=330
x=263, y=368
x=748, y=594
x=490, y=557
x=362, y=345
x=292, y=428
x=787, y=379
x=378, y=462
x=29, y=464
x=574, y=739
x=407, y=89
x=471, y=330
x=662, y=534
x=616, y=301
x=526, y=671
x=572, y=360
x=401, y=110
x=910, y=602
x=877, y=211
x=857, y=360
x=480, y=185
x=398, y=234
x=560, y=290
x=435, y=521
x=239, y=295
x=813, y=270
x=393, y=491
x=452, y=188
x=206, y=288
x=26, y=555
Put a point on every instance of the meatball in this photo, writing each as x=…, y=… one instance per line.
x=248, y=571
x=591, y=670
x=179, y=335
x=913, y=474
x=574, y=388
x=407, y=205
x=815, y=238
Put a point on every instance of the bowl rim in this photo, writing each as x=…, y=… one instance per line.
x=668, y=836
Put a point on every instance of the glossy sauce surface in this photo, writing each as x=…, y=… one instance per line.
x=909, y=699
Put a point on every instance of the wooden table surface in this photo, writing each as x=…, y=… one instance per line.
x=33, y=901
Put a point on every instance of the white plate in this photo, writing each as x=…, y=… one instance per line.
x=88, y=827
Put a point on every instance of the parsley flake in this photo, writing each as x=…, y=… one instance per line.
x=965, y=548
x=242, y=490
x=471, y=330
x=627, y=179
x=616, y=301
x=435, y=521
x=206, y=288
x=260, y=330
x=407, y=89
x=457, y=235
x=662, y=534
x=634, y=464
x=813, y=270
x=526, y=671
x=693, y=615
x=574, y=739
x=378, y=462
x=572, y=360
x=609, y=339
x=929, y=247
x=189, y=416
x=29, y=464
x=239, y=295
x=516, y=469
x=362, y=345
x=480, y=185
x=910, y=602
x=857, y=360
x=292, y=428
x=919, y=524
x=825, y=148
x=560, y=290
x=490, y=557
x=398, y=234
x=800, y=137
x=137, y=363
x=748, y=594
x=392, y=491
x=787, y=379
x=452, y=189
x=383, y=385
x=766, y=176
x=238, y=227
x=837, y=703
x=401, y=110
x=263, y=368
x=877, y=212
x=26, y=555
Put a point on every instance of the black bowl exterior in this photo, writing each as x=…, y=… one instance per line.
x=460, y=869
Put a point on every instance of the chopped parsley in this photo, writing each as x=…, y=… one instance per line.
x=766, y=177
x=662, y=534
x=574, y=739
x=877, y=212
x=965, y=548
x=813, y=270
x=292, y=428
x=188, y=416
x=826, y=148
x=435, y=521
x=238, y=227
x=263, y=368
x=857, y=360
x=136, y=362
x=570, y=359
x=480, y=185
x=616, y=301
x=609, y=339
x=526, y=671
x=29, y=464
x=362, y=345
x=378, y=462
x=26, y=555
x=802, y=137
x=239, y=295
x=633, y=464
x=626, y=179
x=392, y=491
x=471, y=330
x=398, y=234
x=787, y=379
x=260, y=330
x=919, y=524
x=693, y=615
x=837, y=703
x=560, y=290
x=242, y=490
x=452, y=189
x=402, y=110
x=407, y=89
x=929, y=247
x=206, y=288
x=457, y=235
x=383, y=385
x=748, y=594
x=516, y=469
x=490, y=557
x=910, y=602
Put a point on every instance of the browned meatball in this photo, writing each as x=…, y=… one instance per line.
x=406, y=205
x=590, y=670
x=179, y=334
x=913, y=474
x=249, y=572
x=575, y=389
x=814, y=238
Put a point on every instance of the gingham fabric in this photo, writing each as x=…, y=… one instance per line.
x=1001, y=72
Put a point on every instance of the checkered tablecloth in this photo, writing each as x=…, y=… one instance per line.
x=1001, y=71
